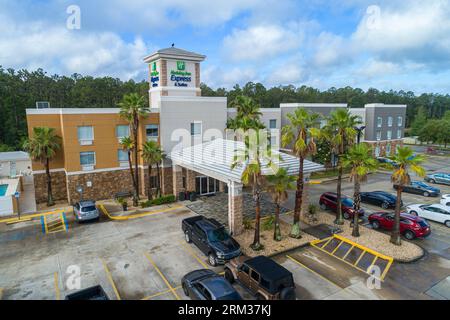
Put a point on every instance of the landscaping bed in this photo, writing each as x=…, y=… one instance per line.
x=271, y=247
x=375, y=240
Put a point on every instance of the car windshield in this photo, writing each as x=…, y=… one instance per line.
x=347, y=202
x=88, y=209
x=423, y=224
x=218, y=235
x=420, y=184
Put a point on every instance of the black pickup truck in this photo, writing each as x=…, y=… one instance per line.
x=211, y=238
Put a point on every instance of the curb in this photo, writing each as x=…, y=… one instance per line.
x=424, y=253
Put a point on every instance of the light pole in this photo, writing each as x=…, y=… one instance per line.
x=360, y=130
x=80, y=191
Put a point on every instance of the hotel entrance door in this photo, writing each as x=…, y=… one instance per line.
x=206, y=185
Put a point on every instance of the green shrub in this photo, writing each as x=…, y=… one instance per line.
x=268, y=223
x=248, y=223
x=158, y=201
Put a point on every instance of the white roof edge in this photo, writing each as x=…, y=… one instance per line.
x=73, y=111
x=260, y=109
x=382, y=105
x=313, y=105
x=193, y=98
x=157, y=56
x=14, y=155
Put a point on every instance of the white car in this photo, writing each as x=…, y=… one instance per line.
x=445, y=200
x=434, y=212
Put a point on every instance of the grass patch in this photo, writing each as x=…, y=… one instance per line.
x=329, y=173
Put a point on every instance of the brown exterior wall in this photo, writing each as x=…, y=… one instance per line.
x=163, y=73
x=59, y=188
x=197, y=75
x=167, y=181
x=382, y=144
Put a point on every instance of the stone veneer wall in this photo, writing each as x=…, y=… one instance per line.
x=104, y=184
x=383, y=144
x=163, y=73
x=59, y=189
x=167, y=181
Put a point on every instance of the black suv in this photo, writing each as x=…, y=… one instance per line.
x=211, y=238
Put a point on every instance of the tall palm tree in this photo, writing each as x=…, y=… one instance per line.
x=246, y=107
x=153, y=155
x=406, y=160
x=301, y=131
x=278, y=186
x=359, y=159
x=42, y=147
x=132, y=108
x=128, y=145
x=342, y=134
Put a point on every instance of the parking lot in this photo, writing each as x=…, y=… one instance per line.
x=146, y=258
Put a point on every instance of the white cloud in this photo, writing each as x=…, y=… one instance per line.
x=261, y=41
x=218, y=77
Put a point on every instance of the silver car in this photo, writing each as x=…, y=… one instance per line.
x=441, y=178
x=86, y=211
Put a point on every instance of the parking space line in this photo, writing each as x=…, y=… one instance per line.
x=337, y=247
x=162, y=276
x=311, y=270
x=348, y=252
x=109, y=276
x=192, y=253
x=137, y=215
x=160, y=293
x=57, y=291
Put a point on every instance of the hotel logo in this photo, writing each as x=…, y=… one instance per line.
x=181, y=65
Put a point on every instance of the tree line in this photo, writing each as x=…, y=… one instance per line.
x=20, y=89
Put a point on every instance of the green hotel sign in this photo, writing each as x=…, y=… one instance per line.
x=181, y=65
x=181, y=77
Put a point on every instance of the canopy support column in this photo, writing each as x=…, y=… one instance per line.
x=235, y=208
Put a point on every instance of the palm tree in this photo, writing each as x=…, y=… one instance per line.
x=301, y=131
x=246, y=108
x=42, y=147
x=278, y=186
x=342, y=133
x=128, y=145
x=359, y=159
x=132, y=108
x=153, y=155
x=405, y=159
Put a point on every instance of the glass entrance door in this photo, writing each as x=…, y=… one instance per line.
x=206, y=185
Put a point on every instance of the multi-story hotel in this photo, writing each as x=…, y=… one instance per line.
x=91, y=155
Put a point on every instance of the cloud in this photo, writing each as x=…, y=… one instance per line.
x=261, y=42
x=218, y=77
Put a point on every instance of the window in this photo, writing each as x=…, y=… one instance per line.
x=389, y=134
x=378, y=135
x=152, y=132
x=273, y=124
x=87, y=160
x=122, y=131
x=245, y=268
x=86, y=135
x=255, y=276
x=388, y=149
x=400, y=121
x=379, y=122
x=390, y=121
x=399, y=134
x=377, y=151
x=122, y=155
x=196, y=129
x=153, y=182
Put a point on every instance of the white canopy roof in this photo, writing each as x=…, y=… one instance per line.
x=215, y=159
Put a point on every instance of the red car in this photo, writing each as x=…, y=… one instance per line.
x=328, y=200
x=410, y=226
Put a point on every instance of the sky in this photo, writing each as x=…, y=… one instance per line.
x=395, y=44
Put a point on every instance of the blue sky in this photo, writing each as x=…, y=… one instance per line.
x=400, y=45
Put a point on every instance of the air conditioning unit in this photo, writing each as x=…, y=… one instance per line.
x=88, y=168
x=42, y=105
x=86, y=142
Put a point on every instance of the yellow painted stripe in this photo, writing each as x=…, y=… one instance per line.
x=162, y=276
x=192, y=253
x=18, y=221
x=160, y=294
x=375, y=253
x=337, y=247
x=31, y=216
x=311, y=270
x=45, y=224
x=360, y=257
x=137, y=215
x=373, y=262
x=57, y=291
x=348, y=252
x=63, y=222
x=109, y=276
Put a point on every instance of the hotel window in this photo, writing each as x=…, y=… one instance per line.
x=122, y=155
x=86, y=135
x=273, y=124
x=87, y=161
x=154, y=182
x=379, y=122
x=323, y=123
x=377, y=151
x=399, y=134
x=196, y=129
x=389, y=134
x=122, y=131
x=388, y=149
x=390, y=121
x=400, y=121
x=152, y=132
x=378, y=135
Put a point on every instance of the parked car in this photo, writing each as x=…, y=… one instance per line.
x=445, y=200
x=382, y=199
x=207, y=285
x=211, y=238
x=328, y=200
x=86, y=210
x=441, y=178
x=265, y=278
x=411, y=226
x=419, y=187
x=93, y=293
x=388, y=161
x=434, y=212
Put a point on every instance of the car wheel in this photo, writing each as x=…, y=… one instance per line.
x=212, y=259
x=414, y=213
x=187, y=237
x=385, y=205
x=185, y=290
x=287, y=294
x=426, y=194
x=229, y=276
x=433, y=181
x=346, y=216
x=375, y=224
x=323, y=206
x=447, y=223
x=409, y=235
